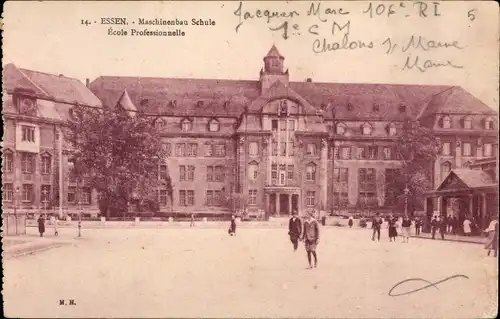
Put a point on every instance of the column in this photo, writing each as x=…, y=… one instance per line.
x=267, y=209
x=471, y=205
x=289, y=203
x=444, y=204
x=278, y=204
x=484, y=207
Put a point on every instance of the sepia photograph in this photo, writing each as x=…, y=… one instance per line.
x=250, y=159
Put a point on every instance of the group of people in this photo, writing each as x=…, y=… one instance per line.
x=308, y=231
x=377, y=222
x=41, y=225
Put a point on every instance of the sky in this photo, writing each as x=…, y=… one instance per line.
x=50, y=37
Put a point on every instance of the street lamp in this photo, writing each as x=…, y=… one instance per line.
x=17, y=190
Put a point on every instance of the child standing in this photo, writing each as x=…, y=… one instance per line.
x=310, y=235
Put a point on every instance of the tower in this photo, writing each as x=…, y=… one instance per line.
x=273, y=70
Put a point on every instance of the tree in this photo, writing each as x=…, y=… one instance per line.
x=417, y=147
x=116, y=153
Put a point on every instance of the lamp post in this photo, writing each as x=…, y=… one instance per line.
x=16, y=195
x=79, y=218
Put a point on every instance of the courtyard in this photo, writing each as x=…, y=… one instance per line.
x=203, y=272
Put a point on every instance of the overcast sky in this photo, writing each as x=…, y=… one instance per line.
x=49, y=37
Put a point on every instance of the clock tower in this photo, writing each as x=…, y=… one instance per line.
x=273, y=70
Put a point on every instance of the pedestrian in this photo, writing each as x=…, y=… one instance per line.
x=418, y=225
x=393, y=233
x=56, y=221
x=376, y=224
x=41, y=225
x=492, y=241
x=350, y=222
x=295, y=230
x=192, y=221
x=442, y=228
x=232, y=227
x=467, y=227
x=449, y=225
x=405, y=225
x=310, y=235
x=454, y=225
x=435, y=226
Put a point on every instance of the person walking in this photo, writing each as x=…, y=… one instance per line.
x=232, y=227
x=310, y=235
x=467, y=227
x=418, y=225
x=449, y=224
x=405, y=225
x=56, y=222
x=435, y=226
x=350, y=222
x=295, y=230
x=442, y=228
x=393, y=233
x=192, y=221
x=376, y=224
x=492, y=241
x=41, y=225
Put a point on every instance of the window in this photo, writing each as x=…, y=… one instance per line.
x=310, y=198
x=340, y=129
x=180, y=149
x=163, y=197
x=366, y=129
x=168, y=149
x=86, y=196
x=366, y=179
x=282, y=148
x=219, y=173
x=446, y=122
x=159, y=124
x=487, y=149
x=372, y=152
x=71, y=194
x=27, y=163
x=289, y=172
x=190, y=198
x=350, y=107
x=387, y=153
x=27, y=193
x=402, y=108
x=345, y=152
x=189, y=172
x=8, y=160
x=163, y=175
x=391, y=129
x=274, y=172
x=186, y=125
x=311, y=172
x=220, y=150
x=213, y=126
x=45, y=193
x=182, y=198
x=291, y=148
x=467, y=123
x=213, y=198
x=311, y=149
x=71, y=171
x=46, y=164
x=252, y=197
x=8, y=192
x=274, y=125
x=186, y=197
x=253, y=148
x=361, y=153
x=192, y=149
x=291, y=125
x=340, y=199
x=446, y=148
x=182, y=173
x=445, y=169
x=489, y=124
x=283, y=125
x=28, y=134
x=253, y=170
x=368, y=199
x=209, y=150
x=274, y=148
x=210, y=173
x=467, y=149
x=340, y=175
x=282, y=174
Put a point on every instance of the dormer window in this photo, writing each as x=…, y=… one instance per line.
x=489, y=124
x=376, y=107
x=159, y=123
x=25, y=103
x=213, y=125
x=186, y=125
x=323, y=106
x=173, y=103
x=402, y=108
x=446, y=122
x=340, y=129
x=391, y=129
x=350, y=107
x=366, y=129
x=200, y=103
x=467, y=123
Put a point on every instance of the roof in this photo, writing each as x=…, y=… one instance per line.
x=455, y=100
x=273, y=52
x=461, y=178
x=48, y=86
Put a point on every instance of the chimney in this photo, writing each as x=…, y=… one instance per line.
x=309, y=80
x=87, y=82
x=61, y=74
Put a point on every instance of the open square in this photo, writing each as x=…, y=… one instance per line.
x=203, y=272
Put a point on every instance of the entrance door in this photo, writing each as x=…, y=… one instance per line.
x=272, y=204
x=295, y=203
x=284, y=205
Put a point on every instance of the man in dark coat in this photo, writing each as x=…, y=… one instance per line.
x=41, y=225
x=295, y=230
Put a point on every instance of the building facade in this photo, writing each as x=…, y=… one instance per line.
x=272, y=146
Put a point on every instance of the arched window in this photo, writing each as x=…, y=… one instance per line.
x=391, y=129
x=213, y=125
x=340, y=129
x=489, y=124
x=366, y=129
x=311, y=172
x=445, y=169
x=186, y=125
x=467, y=123
x=253, y=170
x=446, y=122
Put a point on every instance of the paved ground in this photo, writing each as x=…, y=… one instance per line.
x=182, y=272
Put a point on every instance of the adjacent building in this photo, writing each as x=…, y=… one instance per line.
x=272, y=145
